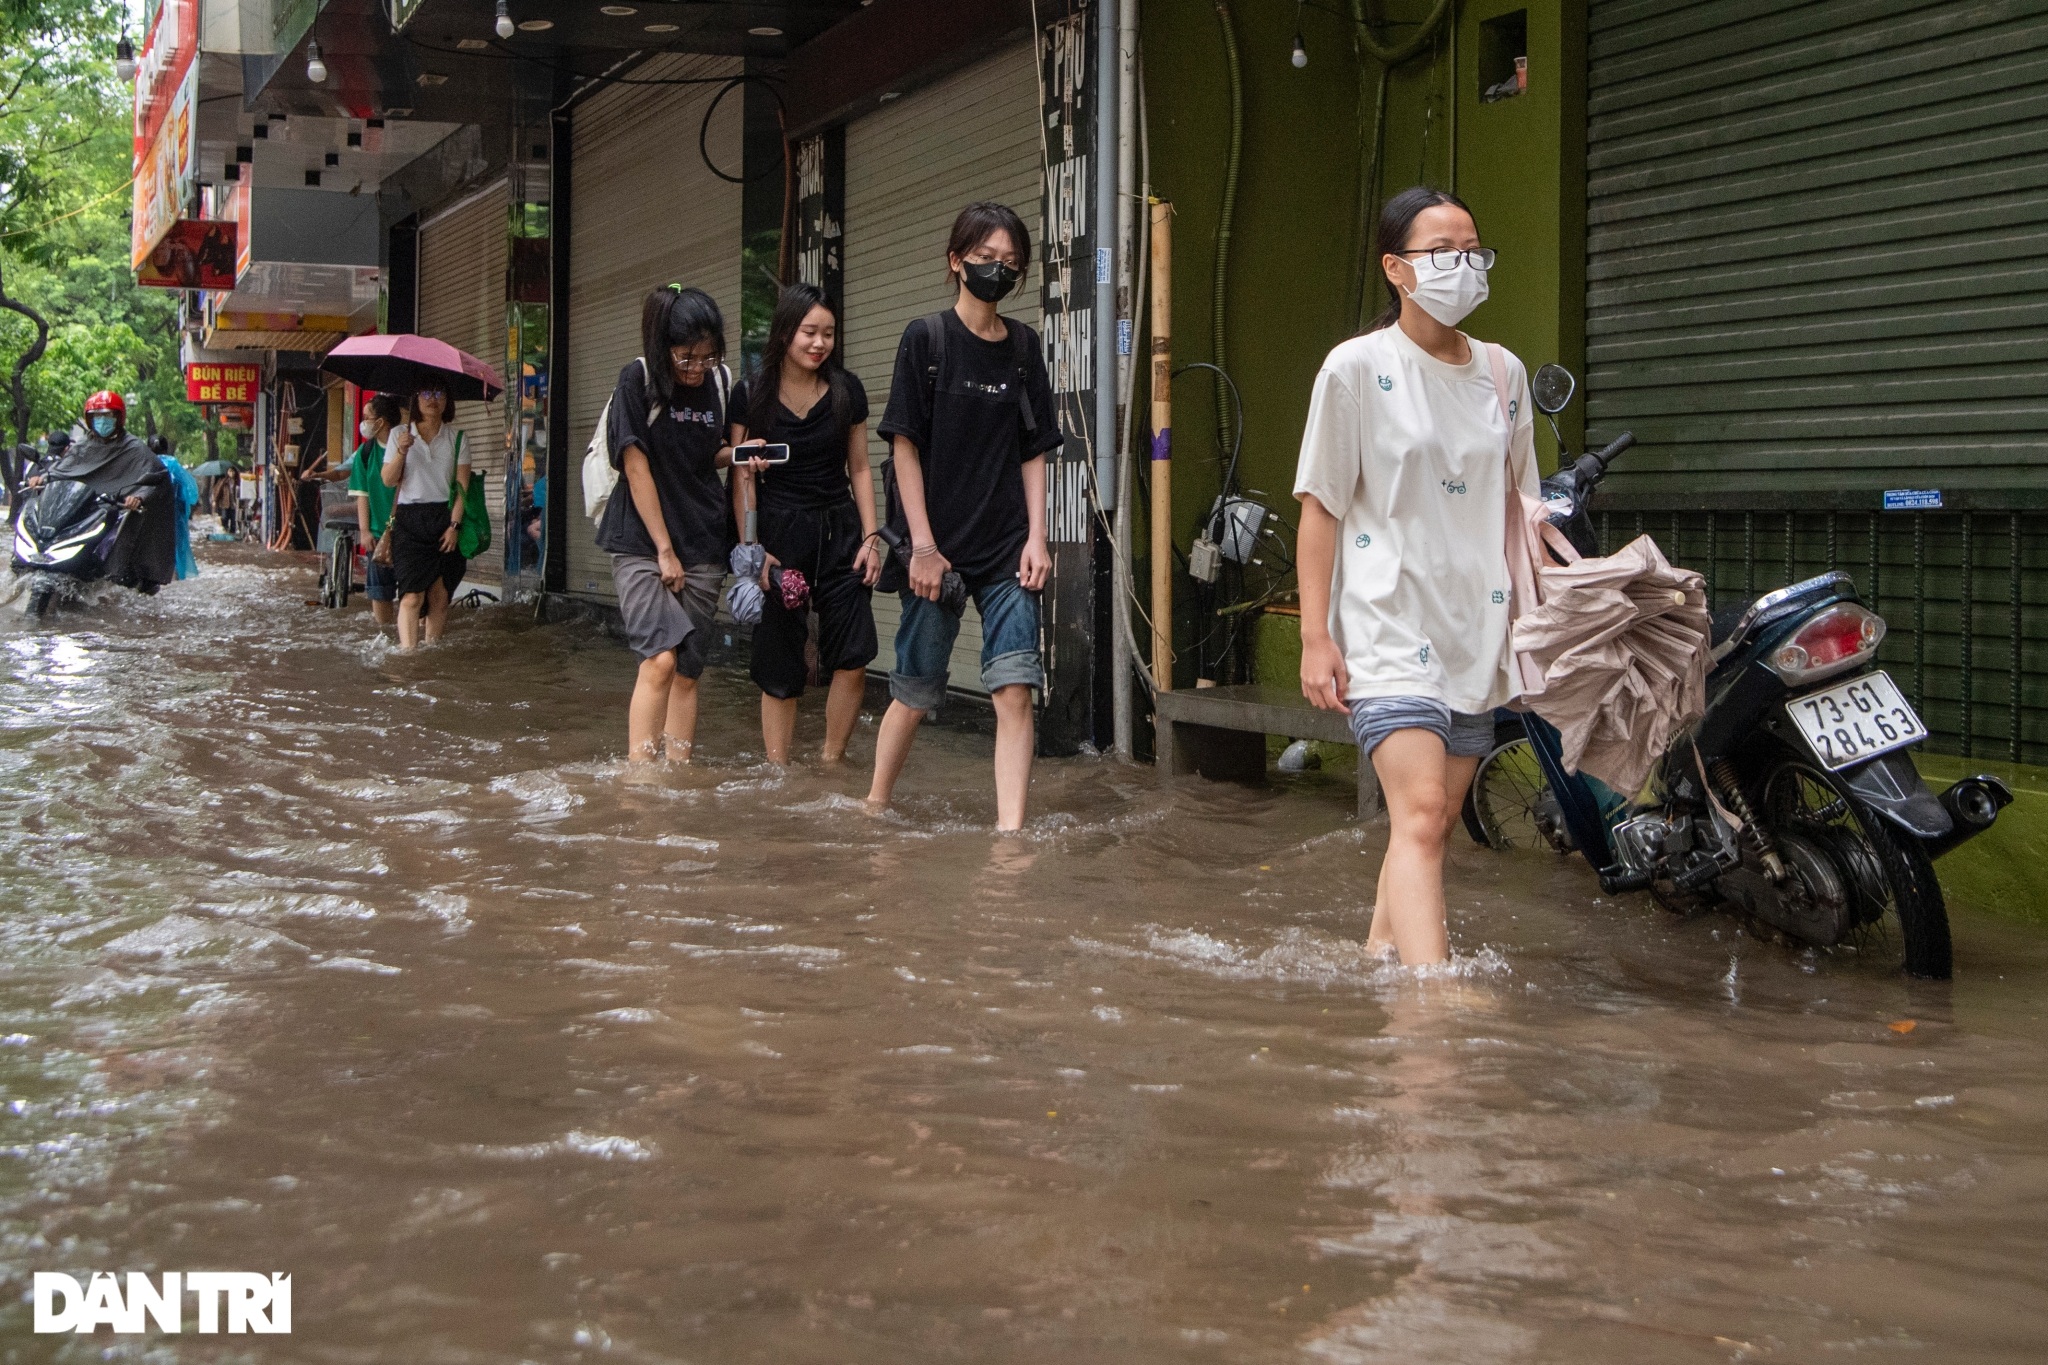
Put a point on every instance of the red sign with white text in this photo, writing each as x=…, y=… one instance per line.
x=222, y=383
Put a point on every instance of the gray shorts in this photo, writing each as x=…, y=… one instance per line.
x=657, y=619
x=1464, y=736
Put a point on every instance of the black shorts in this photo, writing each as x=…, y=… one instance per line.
x=820, y=541
x=417, y=559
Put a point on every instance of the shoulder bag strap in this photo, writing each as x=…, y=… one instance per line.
x=934, y=325
x=1020, y=352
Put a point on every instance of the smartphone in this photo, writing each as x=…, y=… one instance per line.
x=768, y=454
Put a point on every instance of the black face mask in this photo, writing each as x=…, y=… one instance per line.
x=989, y=281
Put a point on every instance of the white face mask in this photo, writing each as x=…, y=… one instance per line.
x=1447, y=295
x=368, y=428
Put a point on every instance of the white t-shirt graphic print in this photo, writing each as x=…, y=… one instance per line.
x=1406, y=452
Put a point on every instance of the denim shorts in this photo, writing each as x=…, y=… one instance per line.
x=1464, y=736
x=1009, y=644
x=380, y=582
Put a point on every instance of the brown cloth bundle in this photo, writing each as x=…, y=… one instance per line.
x=1620, y=645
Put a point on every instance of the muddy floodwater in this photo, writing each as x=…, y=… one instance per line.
x=372, y=970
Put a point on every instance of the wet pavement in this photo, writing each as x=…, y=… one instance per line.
x=371, y=969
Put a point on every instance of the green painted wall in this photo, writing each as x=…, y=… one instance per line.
x=1521, y=165
x=1296, y=234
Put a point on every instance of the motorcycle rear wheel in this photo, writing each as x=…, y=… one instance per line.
x=335, y=579
x=1504, y=805
x=1892, y=871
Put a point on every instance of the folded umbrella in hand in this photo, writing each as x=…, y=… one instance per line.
x=744, y=598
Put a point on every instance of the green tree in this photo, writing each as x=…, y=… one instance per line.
x=72, y=319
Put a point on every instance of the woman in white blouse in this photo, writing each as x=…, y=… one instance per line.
x=426, y=463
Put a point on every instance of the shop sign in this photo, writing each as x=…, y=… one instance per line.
x=164, y=175
x=167, y=58
x=209, y=383
x=192, y=254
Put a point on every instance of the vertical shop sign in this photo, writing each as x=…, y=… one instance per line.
x=1067, y=292
x=821, y=212
x=165, y=131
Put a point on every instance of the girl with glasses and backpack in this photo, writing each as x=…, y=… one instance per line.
x=667, y=526
x=970, y=422
x=1417, y=436
x=816, y=514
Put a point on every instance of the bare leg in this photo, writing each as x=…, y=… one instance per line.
x=1015, y=739
x=679, y=735
x=892, y=747
x=648, y=707
x=1415, y=775
x=409, y=607
x=778, y=727
x=383, y=613
x=437, y=611
x=842, y=710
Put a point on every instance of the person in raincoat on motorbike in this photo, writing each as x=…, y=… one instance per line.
x=111, y=461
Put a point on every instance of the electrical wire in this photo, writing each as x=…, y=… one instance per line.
x=1219, y=301
x=122, y=188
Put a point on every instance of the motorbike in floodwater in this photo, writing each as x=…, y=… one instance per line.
x=66, y=536
x=1793, y=801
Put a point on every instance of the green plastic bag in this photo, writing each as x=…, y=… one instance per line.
x=474, y=537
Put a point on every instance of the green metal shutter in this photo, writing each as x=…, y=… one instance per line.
x=1817, y=253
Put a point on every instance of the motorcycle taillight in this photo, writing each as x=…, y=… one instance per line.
x=1844, y=634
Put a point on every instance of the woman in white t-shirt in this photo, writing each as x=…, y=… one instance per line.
x=422, y=460
x=1405, y=598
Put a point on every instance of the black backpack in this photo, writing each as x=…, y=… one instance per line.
x=896, y=573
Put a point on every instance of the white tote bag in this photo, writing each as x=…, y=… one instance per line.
x=600, y=475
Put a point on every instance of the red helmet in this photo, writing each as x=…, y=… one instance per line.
x=106, y=400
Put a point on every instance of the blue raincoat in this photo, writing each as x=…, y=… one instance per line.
x=186, y=489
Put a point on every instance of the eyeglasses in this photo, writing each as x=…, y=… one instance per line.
x=692, y=362
x=438, y=395
x=983, y=256
x=1449, y=257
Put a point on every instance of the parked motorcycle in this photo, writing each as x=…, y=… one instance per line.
x=1793, y=801
x=66, y=536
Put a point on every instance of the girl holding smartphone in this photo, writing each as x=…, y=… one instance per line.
x=816, y=512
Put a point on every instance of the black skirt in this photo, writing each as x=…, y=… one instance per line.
x=417, y=559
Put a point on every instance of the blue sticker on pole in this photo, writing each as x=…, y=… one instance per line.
x=1102, y=264
x=1912, y=499
x=1123, y=336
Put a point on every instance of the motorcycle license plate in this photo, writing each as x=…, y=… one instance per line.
x=1855, y=720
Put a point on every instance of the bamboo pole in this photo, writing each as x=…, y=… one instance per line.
x=1162, y=445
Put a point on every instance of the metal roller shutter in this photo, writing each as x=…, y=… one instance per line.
x=910, y=168
x=1818, y=247
x=464, y=254
x=645, y=210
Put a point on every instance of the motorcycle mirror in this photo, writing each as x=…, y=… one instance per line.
x=1552, y=388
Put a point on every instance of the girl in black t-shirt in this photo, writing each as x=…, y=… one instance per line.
x=816, y=514
x=971, y=424
x=665, y=526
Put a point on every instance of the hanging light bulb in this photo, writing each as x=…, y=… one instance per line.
x=316, y=70
x=505, y=25
x=124, y=58
x=1300, y=53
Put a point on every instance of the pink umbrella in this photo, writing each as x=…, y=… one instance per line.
x=406, y=363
